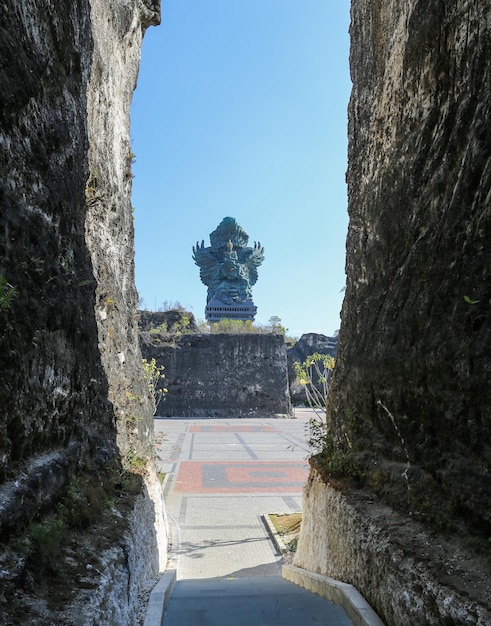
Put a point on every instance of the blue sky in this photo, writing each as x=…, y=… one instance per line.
x=241, y=110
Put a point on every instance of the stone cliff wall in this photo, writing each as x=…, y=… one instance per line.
x=69, y=355
x=221, y=375
x=413, y=369
x=409, y=575
x=171, y=321
x=117, y=30
x=53, y=389
x=410, y=402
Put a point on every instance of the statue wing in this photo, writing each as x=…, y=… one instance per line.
x=208, y=265
x=253, y=257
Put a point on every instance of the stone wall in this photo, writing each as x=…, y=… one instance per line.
x=221, y=375
x=406, y=573
x=413, y=370
x=410, y=402
x=172, y=321
x=117, y=31
x=52, y=386
x=69, y=354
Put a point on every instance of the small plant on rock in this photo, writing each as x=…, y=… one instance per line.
x=315, y=375
x=7, y=294
x=154, y=374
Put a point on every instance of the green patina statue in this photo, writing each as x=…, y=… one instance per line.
x=229, y=269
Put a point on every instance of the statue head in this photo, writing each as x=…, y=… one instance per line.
x=229, y=230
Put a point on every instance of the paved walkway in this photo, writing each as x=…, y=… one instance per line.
x=223, y=475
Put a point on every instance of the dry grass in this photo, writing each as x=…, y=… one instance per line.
x=287, y=524
x=288, y=528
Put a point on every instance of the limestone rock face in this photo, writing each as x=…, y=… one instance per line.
x=412, y=380
x=69, y=354
x=53, y=390
x=410, y=401
x=221, y=375
x=407, y=574
x=172, y=321
x=117, y=31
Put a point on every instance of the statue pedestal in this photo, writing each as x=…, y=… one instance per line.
x=216, y=310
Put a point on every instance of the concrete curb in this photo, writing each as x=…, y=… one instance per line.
x=343, y=594
x=347, y=596
x=159, y=599
x=277, y=540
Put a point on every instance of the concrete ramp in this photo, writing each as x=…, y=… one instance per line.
x=258, y=601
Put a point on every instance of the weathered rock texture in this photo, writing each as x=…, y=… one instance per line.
x=308, y=344
x=52, y=385
x=117, y=31
x=221, y=375
x=419, y=180
x=172, y=321
x=69, y=353
x=411, y=395
x=406, y=573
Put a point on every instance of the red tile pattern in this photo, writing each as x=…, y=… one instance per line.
x=241, y=477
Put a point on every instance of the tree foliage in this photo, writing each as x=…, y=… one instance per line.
x=233, y=327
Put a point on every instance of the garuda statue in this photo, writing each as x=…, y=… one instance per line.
x=228, y=267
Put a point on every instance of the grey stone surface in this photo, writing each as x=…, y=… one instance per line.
x=413, y=368
x=68, y=339
x=427, y=579
x=410, y=400
x=221, y=375
x=159, y=599
x=261, y=601
x=347, y=596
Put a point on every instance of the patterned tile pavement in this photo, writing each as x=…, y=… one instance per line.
x=241, y=477
x=222, y=476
